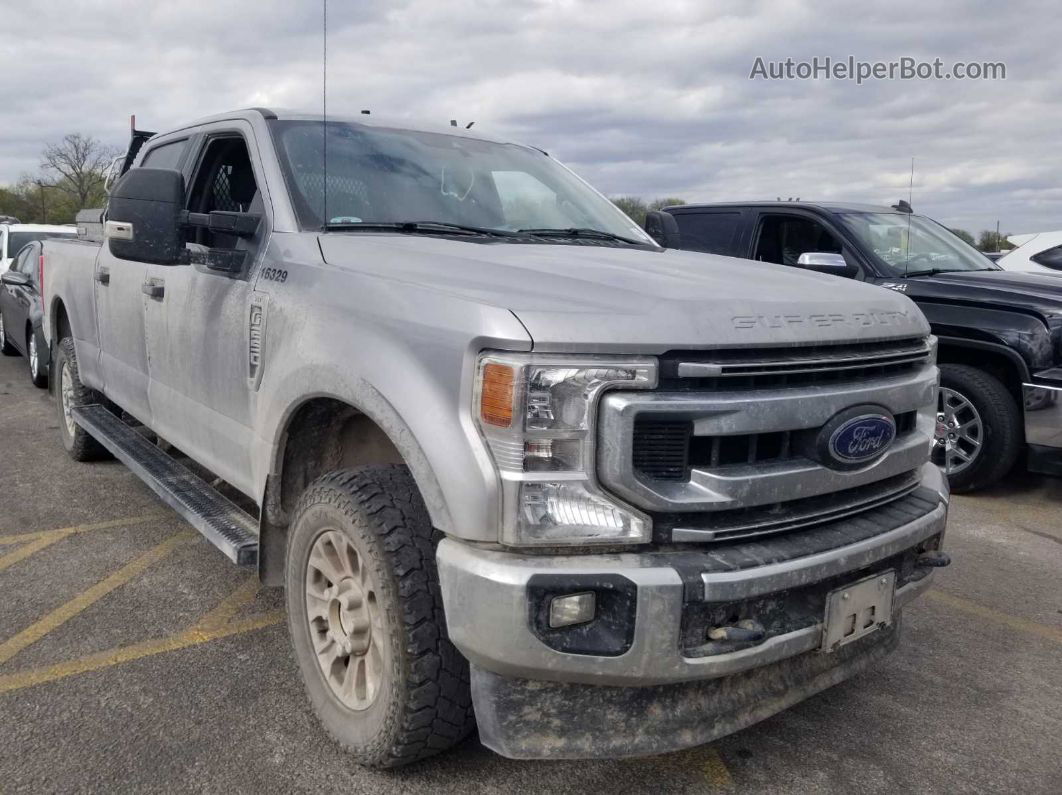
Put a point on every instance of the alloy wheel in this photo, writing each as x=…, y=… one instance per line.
x=66, y=397
x=34, y=363
x=959, y=436
x=346, y=621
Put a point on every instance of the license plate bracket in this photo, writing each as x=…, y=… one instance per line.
x=857, y=610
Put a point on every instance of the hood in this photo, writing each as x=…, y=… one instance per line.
x=1030, y=293
x=590, y=298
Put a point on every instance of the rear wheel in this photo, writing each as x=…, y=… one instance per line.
x=366, y=619
x=70, y=394
x=5, y=345
x=38, y=375
x=979, y=431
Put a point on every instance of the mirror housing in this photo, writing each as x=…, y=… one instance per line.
x=663, y=228
x=14, y=278
x=144, y=217
x=825, y=262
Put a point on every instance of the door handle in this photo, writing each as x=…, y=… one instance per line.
x=154, y=290
x=103, y=276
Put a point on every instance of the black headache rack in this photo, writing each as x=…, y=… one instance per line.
x=137, y=139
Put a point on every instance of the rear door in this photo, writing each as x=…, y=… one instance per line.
x=197, y=329
x=716, y=230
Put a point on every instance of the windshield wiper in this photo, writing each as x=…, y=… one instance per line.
x=598, y=234
x=415, y=227
x=935, y=271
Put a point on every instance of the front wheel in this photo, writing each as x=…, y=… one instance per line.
x=979, y=428
x=366, y=619
x=38, y=374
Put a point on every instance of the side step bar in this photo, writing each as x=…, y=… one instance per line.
x=226, y=526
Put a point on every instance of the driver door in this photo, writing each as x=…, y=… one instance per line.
x=197, y=325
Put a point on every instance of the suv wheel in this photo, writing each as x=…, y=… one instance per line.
x=366, y=619
x=979, y=430
x=38, y=375
x=5, y=347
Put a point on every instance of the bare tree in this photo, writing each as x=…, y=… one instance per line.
x=78, y=166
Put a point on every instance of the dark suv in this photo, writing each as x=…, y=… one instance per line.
x=999, y=331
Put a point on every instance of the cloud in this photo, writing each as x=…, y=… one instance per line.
x=640, y=98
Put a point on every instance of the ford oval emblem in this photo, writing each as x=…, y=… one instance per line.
x=861, y=439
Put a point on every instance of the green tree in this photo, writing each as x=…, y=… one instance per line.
x=963, y=235
x=636, y=207
x=988, y=240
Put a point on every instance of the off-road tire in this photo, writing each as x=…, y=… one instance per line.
x=423, y=705
x=6, y=347
x=1002, y=420
x=79, y=444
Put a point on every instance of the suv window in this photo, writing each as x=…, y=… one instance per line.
x=710, y=232
x=166, y=155
x=783, y=238
x=225, y=181
x=1049, y=258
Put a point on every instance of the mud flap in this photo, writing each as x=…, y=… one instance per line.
x=525, y=719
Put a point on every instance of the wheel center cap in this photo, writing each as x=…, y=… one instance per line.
x=349, y=622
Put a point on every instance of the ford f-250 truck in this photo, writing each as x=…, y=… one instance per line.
x=1000, y=333
x=504, y=451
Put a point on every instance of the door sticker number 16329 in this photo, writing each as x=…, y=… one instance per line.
x=275, y=275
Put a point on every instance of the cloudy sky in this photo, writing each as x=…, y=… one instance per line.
x=645, y=97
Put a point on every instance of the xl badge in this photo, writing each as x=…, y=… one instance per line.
x=856, y=437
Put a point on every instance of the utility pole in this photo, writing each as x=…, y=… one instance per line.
x=998, y=246
x=44, y=208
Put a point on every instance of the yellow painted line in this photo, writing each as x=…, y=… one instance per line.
x=85, y=599
x=123, y=654
x=998, y=616
x=228, y=607
x=716, y=772
x=32, y=548
x=63, y=532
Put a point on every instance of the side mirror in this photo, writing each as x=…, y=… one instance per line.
x=14, y=278
x=144, y=217
x=825, y=262
x=663, y=228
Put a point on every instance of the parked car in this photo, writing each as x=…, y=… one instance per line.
x=503, y=449
x=21, y=311
x=1000, y=333
x=14, y=236
x=1040, y=252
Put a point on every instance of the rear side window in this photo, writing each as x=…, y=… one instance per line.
x=166, y=155
x=713, y=233
x=1049, y=258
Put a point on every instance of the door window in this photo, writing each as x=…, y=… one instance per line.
x=712, y=232
x=783, y=238
x=166, y=155
x=225, y=181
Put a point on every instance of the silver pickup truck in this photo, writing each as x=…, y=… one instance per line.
x=516, y=465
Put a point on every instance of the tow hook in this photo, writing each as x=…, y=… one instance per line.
x=732, y=637
x=933, y=560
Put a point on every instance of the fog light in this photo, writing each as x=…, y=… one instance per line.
x=576, y=608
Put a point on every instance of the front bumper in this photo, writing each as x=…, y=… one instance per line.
x=488, y=594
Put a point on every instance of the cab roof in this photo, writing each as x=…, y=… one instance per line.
x=832, y=207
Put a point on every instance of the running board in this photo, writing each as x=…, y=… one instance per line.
x=226, y=526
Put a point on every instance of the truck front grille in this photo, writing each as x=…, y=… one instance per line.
x=723, y=448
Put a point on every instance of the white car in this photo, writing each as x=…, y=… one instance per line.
x=1039, y=252
x=14, y=236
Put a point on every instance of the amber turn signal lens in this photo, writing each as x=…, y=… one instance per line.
x=496, y=396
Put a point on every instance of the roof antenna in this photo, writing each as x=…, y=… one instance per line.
x=910, y=198
x=469, y=125
x=324, y=113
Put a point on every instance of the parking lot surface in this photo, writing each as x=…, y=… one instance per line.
x=133, y=656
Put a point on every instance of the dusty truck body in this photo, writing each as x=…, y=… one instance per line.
x=502, y=449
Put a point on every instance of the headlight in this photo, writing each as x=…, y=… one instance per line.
x=537, y=415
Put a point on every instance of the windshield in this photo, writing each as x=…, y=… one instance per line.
x=387, y=176
x=905, y=244
x=16, y=240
